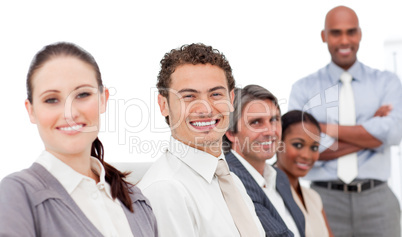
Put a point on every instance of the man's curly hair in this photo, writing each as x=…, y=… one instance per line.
x=191, y=54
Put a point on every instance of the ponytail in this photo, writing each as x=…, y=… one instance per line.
x=119, y=186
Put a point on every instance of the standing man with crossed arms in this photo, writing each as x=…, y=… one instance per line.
x=360, y=111
x=190, y=188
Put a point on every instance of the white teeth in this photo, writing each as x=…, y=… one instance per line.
x=201, y=124
x=266, y=143
x=73, y=128
x=302, y=164
x=344, y=50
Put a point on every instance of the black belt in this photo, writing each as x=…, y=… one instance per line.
x=356, y=186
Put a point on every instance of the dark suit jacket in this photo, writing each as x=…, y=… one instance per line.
x=269, y=217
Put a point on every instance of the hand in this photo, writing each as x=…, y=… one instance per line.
x=329, y=129
x=383, y=111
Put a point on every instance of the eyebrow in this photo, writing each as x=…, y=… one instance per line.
x=217, y=88
x=301, y=139
x=85, y=85
x=57, y=91
x=297, y=139
x=188, y=90
x=348, y=30
x=196, y=91
x=49, y=91
x=260, y=117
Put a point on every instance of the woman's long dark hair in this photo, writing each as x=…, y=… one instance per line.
x=116, y=179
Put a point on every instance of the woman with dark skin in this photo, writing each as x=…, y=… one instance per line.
x=299, y=152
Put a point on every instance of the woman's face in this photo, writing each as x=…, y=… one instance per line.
x=66, y=104
x=300, y=149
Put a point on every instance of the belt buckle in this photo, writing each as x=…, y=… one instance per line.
x=357, y=185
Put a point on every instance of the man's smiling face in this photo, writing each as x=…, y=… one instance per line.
x=199, y=106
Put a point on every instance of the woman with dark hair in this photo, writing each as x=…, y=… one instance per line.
x=70, y=190
x=297, y=155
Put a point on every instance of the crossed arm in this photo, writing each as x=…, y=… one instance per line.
x=350, y=138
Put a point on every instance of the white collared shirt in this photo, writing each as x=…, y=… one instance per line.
x=185, y=195
x=268, y=184
x=95, y=200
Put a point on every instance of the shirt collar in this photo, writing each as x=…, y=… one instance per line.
x=335, y=71
x=201, y=162
x=270, y=177
x=68, y=177
x=253, y=172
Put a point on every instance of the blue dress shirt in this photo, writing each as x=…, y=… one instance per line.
x=318, y=94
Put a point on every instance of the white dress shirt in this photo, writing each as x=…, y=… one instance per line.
x=185, y=195
x=95, y=200
x=268, y=184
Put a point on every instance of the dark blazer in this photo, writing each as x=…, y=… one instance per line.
x=269, y=217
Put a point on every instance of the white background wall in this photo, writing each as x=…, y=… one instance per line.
x=271, y=43
x=393, y=62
